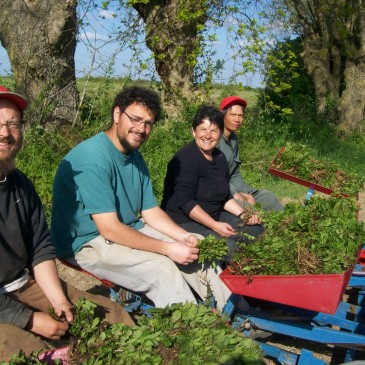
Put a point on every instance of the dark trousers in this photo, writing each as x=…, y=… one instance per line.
x=236, y=223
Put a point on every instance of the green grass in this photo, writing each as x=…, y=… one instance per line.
x=260, y=139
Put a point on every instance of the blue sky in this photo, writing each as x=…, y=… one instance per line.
x=96, y=34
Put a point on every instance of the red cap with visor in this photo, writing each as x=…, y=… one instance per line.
x=17, y=99
x=232, y=100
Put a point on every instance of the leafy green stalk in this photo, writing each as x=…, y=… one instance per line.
x=212, y=249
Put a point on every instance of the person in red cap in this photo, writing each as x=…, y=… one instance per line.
x=233, y=109
x=29, y=282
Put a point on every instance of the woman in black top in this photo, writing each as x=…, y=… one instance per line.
x=196, y=190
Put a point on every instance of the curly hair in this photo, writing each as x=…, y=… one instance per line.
x=141, y=95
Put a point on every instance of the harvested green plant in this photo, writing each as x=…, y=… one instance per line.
x=297, y=160
x=322, y=237
x=212, y=249
x=178, y=334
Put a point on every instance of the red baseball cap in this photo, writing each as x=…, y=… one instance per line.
x=232, y=100
x=17, y=99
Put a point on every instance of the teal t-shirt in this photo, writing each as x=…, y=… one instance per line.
x=93, y=178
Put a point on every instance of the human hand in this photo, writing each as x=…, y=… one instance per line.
x=249, y=217
x=246, y=198
x=192, y=240
x=64, y=309
x=253, y=220
x=183, y=253
x=224, y=229
x=45, y=325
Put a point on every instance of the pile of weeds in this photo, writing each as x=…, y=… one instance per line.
x=322, y=237
x=177, y=334
x=298, y=160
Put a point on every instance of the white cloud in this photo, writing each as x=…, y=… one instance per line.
x=90, y=36
x=107, y=14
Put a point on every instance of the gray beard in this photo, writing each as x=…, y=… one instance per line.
x=6, y=167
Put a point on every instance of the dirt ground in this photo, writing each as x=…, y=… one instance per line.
x=324, y=352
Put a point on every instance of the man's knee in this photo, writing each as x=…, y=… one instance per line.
x=106, y=309
x=268, y=200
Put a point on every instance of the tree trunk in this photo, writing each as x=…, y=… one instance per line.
x=40, y=39
x=172, y=34
x=351, y=106
x=334, y=57
x=323, y=66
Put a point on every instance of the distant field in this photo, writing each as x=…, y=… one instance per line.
x=112, y=86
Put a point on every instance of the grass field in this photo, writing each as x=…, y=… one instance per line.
x=260, y=139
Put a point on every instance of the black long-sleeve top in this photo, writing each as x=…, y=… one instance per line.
x=192, y=180
x=25, y=240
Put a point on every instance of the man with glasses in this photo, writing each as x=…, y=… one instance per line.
x=105, y=217
x=233, y=109
x=29, y=283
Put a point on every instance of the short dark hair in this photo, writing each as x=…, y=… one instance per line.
x=211, y=113
x=137, y=94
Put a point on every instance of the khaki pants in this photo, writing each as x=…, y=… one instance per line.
x=13, y=338
x=163, y=281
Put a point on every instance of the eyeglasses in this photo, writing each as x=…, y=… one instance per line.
x=14, y=127
x=136, y=121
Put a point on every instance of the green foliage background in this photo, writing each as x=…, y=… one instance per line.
x=260, y=139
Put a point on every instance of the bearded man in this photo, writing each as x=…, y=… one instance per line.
x=29, y=282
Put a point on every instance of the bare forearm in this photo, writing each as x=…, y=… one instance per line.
x=246, y=198
x=159, y=220
x=115, y=231
x=201, y=216
x=47, y=278
x=233, y=207
x=112, y=229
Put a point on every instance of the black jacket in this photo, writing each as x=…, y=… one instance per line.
x=193, y=180
x=25, y=240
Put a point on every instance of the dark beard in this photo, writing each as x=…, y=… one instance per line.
x=6, y=167
x=126, y=145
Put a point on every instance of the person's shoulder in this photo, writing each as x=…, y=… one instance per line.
x=217, y=152
x=20, y=178
x=187, y=149
x=222, y=141
x=22, y=182
x=95, y=140
x=136, y=155
x=233, y=136
x=185, y=152
x=87, y=148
